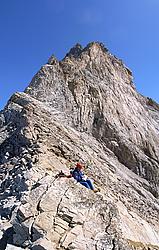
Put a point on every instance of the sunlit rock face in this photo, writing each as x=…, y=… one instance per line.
x=83, y=108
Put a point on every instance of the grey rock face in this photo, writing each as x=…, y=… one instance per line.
x=84, y=108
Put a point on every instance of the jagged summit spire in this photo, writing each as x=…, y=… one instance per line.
x=96, y=44
x=52, y=60
x=75, y=51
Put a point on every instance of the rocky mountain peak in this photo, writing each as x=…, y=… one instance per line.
x=75, y=51
x=85, y=109
x=96, y=46
x=94, y=61
x=95, y=93
x=52, y=60
x=91, y=48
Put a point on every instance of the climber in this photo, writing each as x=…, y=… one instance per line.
x=78, y=174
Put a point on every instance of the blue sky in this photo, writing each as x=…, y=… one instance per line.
x=32, y=30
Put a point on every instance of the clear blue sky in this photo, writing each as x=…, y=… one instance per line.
x=32, y=30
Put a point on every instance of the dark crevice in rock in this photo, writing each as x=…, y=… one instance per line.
x=109, y=223
x=6, y=213
x=36, y=185
x=113, y=242
x=34, y=234
x=38, y=247
x=58, y=206
x=7, y=238
x=96, y=247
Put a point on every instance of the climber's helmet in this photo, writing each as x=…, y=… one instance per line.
x=79, y=166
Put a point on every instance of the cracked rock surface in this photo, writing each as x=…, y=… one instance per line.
x=83, y=108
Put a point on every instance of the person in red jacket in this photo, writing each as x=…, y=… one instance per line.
x=78, y=174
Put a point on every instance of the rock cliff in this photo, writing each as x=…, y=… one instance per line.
x=84, y=108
